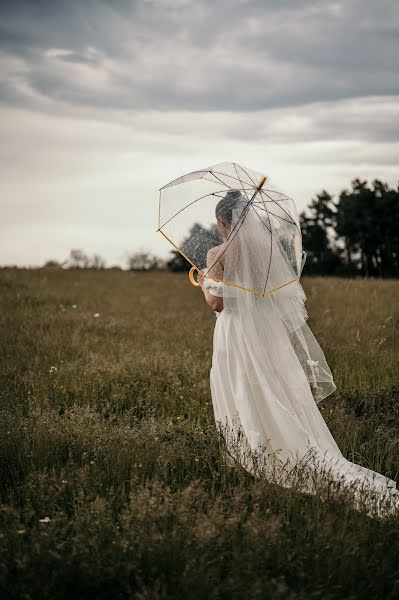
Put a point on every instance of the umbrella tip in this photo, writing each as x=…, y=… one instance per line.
x=262, y=181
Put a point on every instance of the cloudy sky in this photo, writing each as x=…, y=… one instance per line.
x=103, y=102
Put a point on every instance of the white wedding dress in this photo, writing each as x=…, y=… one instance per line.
x=260, y=388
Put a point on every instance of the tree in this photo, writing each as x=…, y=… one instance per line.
x=178, y=262
x=368, y=222
x=77, y=258
x=97, y=262
x=144, y=260
x=322, y=256
x=195, y=246
x=52, y=264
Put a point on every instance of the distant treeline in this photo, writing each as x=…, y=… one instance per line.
x=355, y=234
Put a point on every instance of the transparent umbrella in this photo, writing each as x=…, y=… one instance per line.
x=195, y=212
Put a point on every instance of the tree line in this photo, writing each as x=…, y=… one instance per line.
x=356, y=233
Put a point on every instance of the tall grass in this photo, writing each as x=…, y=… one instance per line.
x=114, y=480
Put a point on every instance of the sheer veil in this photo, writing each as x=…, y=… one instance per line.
x=255, y=257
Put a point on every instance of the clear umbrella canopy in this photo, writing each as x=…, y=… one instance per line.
x=196, y=217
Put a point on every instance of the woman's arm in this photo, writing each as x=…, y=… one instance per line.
x=215, y=302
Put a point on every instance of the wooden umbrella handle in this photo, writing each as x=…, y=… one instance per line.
x=192, y=278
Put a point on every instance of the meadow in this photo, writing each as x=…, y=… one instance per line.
x=114, y=479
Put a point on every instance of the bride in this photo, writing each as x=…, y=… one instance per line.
x=268, y=371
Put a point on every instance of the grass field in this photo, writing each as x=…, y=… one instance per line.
x=114, y=482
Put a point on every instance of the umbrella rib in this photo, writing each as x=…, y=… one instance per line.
x=278, y=216
x=271, y=248
x=250, y=183
x=187, y=206
x=259, y=217
x=243, y=189
x=242, y=183
x=246, y=173
x=286, y=212
x=218, y=179
x=281, y=194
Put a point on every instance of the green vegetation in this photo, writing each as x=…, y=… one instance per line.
x=114, y=480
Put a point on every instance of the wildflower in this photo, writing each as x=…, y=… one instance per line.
x=21, y=531
x=53, y=369
x=96, y=315
x=45, y=520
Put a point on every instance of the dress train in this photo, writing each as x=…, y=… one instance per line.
x=274, y=412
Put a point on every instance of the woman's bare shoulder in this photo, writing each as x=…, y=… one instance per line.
x=212, y=256
x=213, y=252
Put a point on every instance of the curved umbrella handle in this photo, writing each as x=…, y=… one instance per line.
x=191, y=277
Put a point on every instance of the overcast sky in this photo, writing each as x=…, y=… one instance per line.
x=102, y=103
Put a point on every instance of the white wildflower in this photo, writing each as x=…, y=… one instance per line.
x=45, y=520
x=53, y=369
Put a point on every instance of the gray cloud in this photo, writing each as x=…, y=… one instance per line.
x=102, y=103
x=200, y=56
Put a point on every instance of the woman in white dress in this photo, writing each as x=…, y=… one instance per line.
x=268, y=371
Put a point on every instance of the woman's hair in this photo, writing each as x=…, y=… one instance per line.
x=225, y=206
